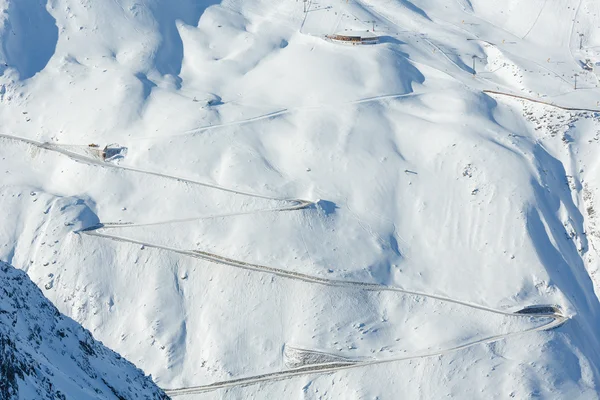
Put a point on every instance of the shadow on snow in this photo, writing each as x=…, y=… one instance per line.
x=29, y=38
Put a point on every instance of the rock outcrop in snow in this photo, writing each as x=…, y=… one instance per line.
x=45, y=355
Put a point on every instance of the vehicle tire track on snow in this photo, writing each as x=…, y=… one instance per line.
x=555, y=321
x=282, y=111
x=298, y=276
x=91, y=161
x=516, y=96
x=302, y=204
x=97, y=231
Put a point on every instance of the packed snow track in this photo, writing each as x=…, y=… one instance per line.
x=555, y=319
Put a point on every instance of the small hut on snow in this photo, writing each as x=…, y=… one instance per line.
x=355, y=37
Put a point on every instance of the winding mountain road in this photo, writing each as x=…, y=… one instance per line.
x=100, y=163
x=283, y=273
x=552, y=321
x=546, y=320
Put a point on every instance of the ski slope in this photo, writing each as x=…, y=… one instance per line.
x=384, y=211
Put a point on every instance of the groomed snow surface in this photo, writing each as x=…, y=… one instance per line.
x=283, y=216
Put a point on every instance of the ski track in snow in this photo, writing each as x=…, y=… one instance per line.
x=573, y=31
x=536, y=20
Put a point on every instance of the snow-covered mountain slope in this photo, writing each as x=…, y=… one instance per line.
x=45, y=355
x=327, y=220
